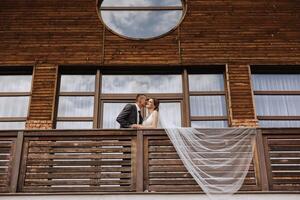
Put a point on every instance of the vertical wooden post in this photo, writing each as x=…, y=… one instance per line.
x=186, y=99
x=140, y=162
x=16, y=162
x=261, y=160
x=97, y=100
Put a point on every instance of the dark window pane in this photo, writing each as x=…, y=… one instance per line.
x=277, y=105
x=208, y=106
x=77, y=83
x=15, y=83
x=14, y=106
x=276, y=82
x=75, y=106
x=209, y=124
x=206, y=82
x=141, y=84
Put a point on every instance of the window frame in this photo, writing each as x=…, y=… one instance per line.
x=129, y=97
x=183, y=98
x=95, y=94
x=22, y=70
x=269, y=70
x=168, y=8
x=208, y=70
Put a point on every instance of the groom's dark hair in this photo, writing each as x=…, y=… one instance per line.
x=138, y=96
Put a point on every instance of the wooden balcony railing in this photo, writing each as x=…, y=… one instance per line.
x=130, y=161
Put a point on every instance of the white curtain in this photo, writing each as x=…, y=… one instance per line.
x=74, y=125
x=279, y=82
x=208, y=106
x=14, y=106
x=218, y=159
x=70, y=106
x=277, y=105
x=110, y=114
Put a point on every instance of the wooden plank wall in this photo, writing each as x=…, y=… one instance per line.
x=246, y=31
x=43, y=96
x=236, y=33
x=241, y=98
x=50, y=31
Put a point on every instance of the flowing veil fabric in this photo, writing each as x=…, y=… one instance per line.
x=218, y=159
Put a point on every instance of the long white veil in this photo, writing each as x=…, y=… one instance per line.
x=218, y=159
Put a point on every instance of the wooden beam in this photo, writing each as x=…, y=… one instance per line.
x=261, y=161
x=140, y=162
x=16, y=163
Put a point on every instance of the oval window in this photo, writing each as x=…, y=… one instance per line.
x=141, y=19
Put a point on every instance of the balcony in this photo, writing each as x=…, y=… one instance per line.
x=130, y=161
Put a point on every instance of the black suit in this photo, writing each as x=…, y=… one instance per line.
x=128, y=116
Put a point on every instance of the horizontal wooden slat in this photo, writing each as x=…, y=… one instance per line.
x=7, y=157
x=283, y=161
x=90, y=163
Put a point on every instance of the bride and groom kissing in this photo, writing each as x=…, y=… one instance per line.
x=131, y=116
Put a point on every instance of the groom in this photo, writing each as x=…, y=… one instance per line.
x=130, y=116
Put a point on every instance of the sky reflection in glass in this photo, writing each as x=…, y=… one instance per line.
x=141, y=3
x=141, y=23
x=141, y=84
x=77, y=83
x=206, y=82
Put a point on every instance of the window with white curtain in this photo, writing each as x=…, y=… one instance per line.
x=93, y=98
x=207, y=101
x=117, y=88
x=76, y=101
x=277, y=99
x=15, y=91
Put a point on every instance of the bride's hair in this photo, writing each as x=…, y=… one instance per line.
x=156, y=104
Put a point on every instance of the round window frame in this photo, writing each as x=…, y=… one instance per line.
x=184, y=11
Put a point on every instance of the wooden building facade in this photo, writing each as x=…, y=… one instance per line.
x=50, y=38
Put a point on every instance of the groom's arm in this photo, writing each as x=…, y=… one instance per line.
x=122, y=118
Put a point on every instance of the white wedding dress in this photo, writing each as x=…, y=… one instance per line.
x=149, y=120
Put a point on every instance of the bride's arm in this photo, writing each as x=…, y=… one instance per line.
x=155, y=119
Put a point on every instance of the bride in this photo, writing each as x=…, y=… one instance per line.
x=151, y=121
